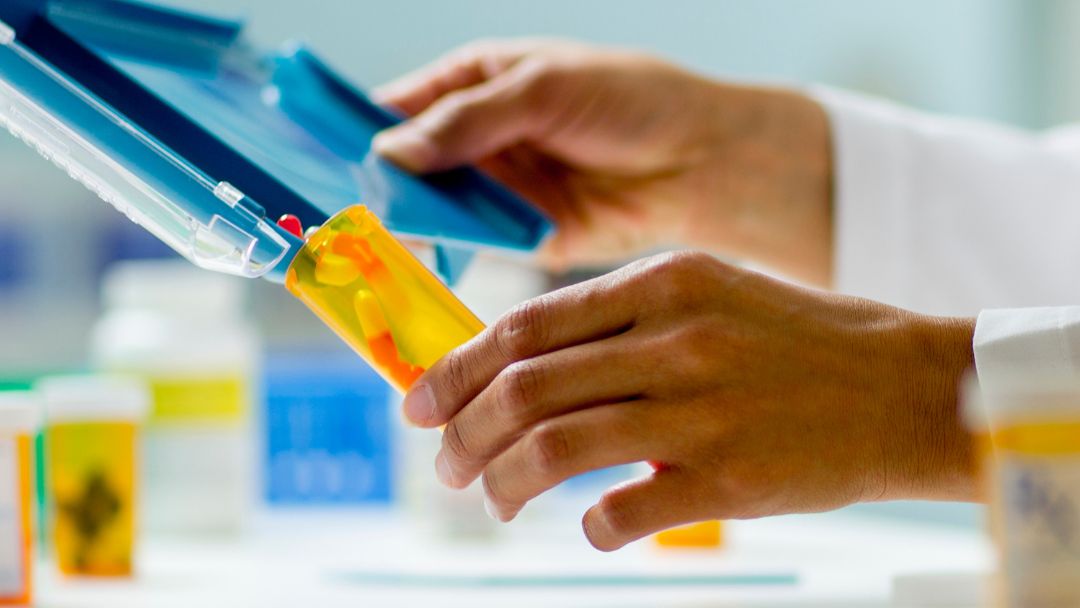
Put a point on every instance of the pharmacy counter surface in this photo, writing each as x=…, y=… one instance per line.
x=371, y=558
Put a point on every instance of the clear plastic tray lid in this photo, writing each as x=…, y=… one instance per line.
x=217, y=228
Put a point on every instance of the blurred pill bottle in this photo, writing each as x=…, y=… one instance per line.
x=436, y=512
x=1034, y=423
x=91, y=461
x=702, y=535
x=19, y=418
x=491, y=286
x=973, y=417
x=184, y=331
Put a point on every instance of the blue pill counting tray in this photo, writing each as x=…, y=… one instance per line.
x=206, y=140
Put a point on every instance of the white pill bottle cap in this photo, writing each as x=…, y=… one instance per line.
x=20, y=412
x=1031, y=397
x=94, y=398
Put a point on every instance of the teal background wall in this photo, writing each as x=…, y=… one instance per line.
x=979, y=57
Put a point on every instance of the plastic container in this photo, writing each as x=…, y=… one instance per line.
x=91, y=455
x=185, y=333
x=202, y=137
x=378, y=297
x=329, y=431
x=211, y=223
x=19, y=416
x=704, y=535
x=1035, y=495
x=436, y=511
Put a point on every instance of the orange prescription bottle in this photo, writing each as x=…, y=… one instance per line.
x=19, y=414
x=1034, y=427
x=704, y=534
x=364, y=284
x=91, y=431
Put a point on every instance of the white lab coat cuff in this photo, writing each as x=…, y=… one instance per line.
x=1039, y=341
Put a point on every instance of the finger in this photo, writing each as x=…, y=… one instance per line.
x=467, y=125
x=533, y=390
x=589, y=311
x=461, y=68
x=641, y=507
x=567, y=446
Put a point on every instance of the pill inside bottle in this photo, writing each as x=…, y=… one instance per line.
x=375, y=294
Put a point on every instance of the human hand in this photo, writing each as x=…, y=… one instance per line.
x=753, y=396
x=626, y=152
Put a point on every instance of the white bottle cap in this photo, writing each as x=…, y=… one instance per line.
x=1035, y=397
x=20, y=411
x=172, y=286
x=94, y=398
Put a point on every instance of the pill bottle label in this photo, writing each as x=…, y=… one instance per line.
x=1040, y=528
x=11, y=517
x=218, y=400
x=92, y=471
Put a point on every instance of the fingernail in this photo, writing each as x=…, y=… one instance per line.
x=490, y=508
x=406, y=147
x=443, y=472
x=419, y=404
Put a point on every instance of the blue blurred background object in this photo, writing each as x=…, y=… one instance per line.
x=328, y=434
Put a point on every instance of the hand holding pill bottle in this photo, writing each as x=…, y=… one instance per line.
x=378, y=297
x=397, y=315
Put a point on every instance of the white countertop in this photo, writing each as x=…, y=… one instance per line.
x=376, y=558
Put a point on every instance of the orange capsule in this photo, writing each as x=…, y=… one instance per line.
x=405, y=374
x=383, y=350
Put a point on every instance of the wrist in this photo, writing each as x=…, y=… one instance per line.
x=768, y=194
x=932, y=449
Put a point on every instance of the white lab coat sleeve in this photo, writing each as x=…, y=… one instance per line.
x=951, y=216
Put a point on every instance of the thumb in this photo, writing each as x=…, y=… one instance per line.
x=467, y=125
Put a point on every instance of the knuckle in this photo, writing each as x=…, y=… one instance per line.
x=455, y=111
x=494, y=489
x=455, y=444
x=680, y=273
x=522, y=332
x=619, y=514
x=696, y=345
x=684, y=280
x=744, y=486
x=550, y=449
x=455, y=378
x=542, y=75
x=519, y=388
